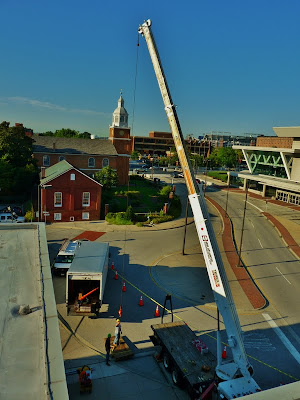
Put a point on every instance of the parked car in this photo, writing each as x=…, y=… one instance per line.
x=11, y=218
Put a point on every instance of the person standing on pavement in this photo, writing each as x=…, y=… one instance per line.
x=107, y=348
x=118, y=331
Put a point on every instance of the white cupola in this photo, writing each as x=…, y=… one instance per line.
x=120, y=115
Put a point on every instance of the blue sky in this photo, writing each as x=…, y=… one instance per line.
x=231, y=66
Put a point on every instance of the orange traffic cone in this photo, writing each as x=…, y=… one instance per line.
x=120, y=312
x=224, y=353
x=112, y=265
x=116, y=275
x=124, y=287
x=156, y=312
x=141, y=303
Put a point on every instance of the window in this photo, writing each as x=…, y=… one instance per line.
x=85, y=215
x=91, y=162
x=46, y=161
x=61, y=158
x=57, y=199
x=85, y=199
x=72, y=177
x=57, y=216
x=105, y=162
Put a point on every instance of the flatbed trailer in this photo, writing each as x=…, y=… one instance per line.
x=189, y=366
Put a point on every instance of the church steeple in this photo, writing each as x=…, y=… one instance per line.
x=120, y=115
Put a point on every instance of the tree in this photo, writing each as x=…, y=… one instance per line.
x=84, y=135
x=134, y=155
x=66, y=132
x=15, y=146
x=18, y=170
x=224, y=157
x=107, y=177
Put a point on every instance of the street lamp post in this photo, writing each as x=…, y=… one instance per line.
x=207, y=160
x=40, y=187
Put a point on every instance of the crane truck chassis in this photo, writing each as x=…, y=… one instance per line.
x=234, y=377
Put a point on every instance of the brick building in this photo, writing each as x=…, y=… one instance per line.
x=160, y=143
x=90, y=155
x=67, y=194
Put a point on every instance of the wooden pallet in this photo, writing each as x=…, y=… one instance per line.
x=121, y=352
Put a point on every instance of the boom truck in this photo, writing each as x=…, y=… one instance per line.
x=233, y=377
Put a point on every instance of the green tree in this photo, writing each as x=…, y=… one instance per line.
x=224, y=157
x=135, y=155
x=66, y=132
x=84, y=135
x=18, y=170
x=15, y=146
x=107, y=177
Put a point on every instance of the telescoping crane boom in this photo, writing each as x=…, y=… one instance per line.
x=234, y=375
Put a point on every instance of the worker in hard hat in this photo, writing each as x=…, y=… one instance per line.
x=107, y=348
x=118, y=331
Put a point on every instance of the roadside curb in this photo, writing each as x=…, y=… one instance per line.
x=251, y=290
x=284, y=234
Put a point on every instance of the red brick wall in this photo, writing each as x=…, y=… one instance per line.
x=154, y=134
x=72, y=197
x=271, y=141
x=123, y=170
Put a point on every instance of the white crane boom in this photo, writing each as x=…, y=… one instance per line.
x=239, y=368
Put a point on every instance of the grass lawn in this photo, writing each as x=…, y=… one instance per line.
x=148, y=198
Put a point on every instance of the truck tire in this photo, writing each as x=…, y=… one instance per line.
x=166, y=361
x=176, y=377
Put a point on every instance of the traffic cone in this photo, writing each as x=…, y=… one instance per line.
x=156, y=312
x=112, y=265
x=224, y=353
x=120, y=312
x=116, y=275
x=124, y=287
x=141, y=303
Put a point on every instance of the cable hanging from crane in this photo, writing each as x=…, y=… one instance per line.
x=135, y=78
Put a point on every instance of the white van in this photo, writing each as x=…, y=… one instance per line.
x=10, y=218
x=65, y=257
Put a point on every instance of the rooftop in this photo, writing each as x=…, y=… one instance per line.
x=31, y=359
x=62, y=145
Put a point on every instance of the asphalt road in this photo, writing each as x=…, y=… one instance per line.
x=274, y=332
x=152, y=265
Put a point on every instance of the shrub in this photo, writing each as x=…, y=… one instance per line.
x=116, y=193
x=117, y=219
x=29, y=216
x=139, y=224
x=129, y=214
x=164, y=218
x=165, y=190
x=175, y=207
x=132, y=194
x=222, y=176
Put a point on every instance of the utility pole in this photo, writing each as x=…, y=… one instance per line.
x=186, y=216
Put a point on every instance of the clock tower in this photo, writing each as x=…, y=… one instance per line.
x=119, y=132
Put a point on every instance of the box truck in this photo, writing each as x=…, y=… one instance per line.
x=86, y=277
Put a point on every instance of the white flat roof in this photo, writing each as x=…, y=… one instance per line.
x=273, y=149
x=31, y=362
x=287, y=131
